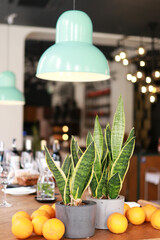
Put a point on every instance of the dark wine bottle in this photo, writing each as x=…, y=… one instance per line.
x=56, y=154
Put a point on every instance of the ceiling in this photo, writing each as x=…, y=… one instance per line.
x=127, y=17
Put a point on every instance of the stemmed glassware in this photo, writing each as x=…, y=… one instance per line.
x=6, y=175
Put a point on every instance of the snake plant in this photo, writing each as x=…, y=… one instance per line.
x=112, y=155
x=75, y=174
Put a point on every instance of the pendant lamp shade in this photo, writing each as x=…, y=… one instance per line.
x=9, y=94
x=73, y=57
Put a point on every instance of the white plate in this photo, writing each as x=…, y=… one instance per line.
x=20, y=191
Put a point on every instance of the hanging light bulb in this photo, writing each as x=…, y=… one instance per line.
x=73, y=57
x=148, y=80
x=142, y=63
x=152, y=99
x=134, y=79
x=139, y=74
x=122, y=54
x=141, y=50
x=117, y=58
x=125, y=62
x=157, y=74
x=143, y=89
x=129, y=76
x=150, y=88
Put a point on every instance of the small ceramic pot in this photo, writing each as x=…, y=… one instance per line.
x=105, y=207
x=79, y=221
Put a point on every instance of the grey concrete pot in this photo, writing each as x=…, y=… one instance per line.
x=79, y=221
x=104, y=208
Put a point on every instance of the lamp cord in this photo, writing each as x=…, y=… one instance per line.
x=74, y=4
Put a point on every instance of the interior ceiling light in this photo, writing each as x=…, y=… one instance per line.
x=141, y=50
x=9, y=94
x=73, y=58
x=117, y=58
x=143, y=89
x=122, y=54
x=139, y=74
x=125, y=62
x=134, y=79
x=142, y=63
x=148, y=79
x=152, y=98
x=129, y=76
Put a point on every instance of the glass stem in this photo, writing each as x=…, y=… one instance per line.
x=4, y=195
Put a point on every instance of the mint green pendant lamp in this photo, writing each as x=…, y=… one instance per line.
x=9, y=94
x=73, y=58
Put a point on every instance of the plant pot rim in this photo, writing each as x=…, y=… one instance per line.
x=88, y=204
x=106, y=199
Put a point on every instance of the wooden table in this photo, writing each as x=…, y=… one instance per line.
x=29, y=204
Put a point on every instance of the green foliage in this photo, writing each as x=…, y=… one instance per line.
x=75, y=174
x=112, y=157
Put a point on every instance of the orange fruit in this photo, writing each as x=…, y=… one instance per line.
x=38, y=223
x=48, y=209
x=117, y=223
x=136, y=215
x=149, y=210
x=155, y=219
x=126, y=207
x=40, y=212
x=22, y=228
x=20, y=214
x=53, y=229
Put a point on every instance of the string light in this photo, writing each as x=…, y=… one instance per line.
x=125, y=62
x=117, y=58
x=152, y=99
x=142, y=63
x=141, y=50
x=139, y=74
x=148, y=80
x=143, y=89
x=134, y=79
x=129, y=76
x=122, y=55
x=150, y=88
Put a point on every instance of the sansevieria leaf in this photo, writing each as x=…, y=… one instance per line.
x=101, y=183
x=98, y=137
x=74, y=151
x=118, y=127
x=82, y=172
x=94, y=184
x=122, y=163
x=131, y=135
x=114, y=186
x=67, y=189
x=89, y=139
x=107, y=136
x=59, y=175
x=66, y=165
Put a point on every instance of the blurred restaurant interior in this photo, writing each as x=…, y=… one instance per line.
x=128, y=34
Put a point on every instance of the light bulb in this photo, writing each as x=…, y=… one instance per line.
x=129, y=76
x=139, y=74
x=134, y=79
x=65, y=137
x=148, y=80
x=65, y=128
x=122, y=55
x=150, y=88
x=157, y=74
x=125, y=62
x=141, y=50
x=143, y=89
x=117, y=58
x=152, y=99
x=154, y=90
x=142, y=63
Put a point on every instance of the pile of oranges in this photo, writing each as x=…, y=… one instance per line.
x=118, y=223
x=42, y=222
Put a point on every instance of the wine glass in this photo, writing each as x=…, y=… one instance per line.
x=6, y=175
x=26, y=160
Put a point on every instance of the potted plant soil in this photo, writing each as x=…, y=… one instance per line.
x=72, y=180
x=112, y=158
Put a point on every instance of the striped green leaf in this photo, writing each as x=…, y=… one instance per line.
x=94, y=184
x=107, y=136
x=114, y=186
x=118, y=127
x=67, y=198
x=80, y=152
x=66, y=165
x=74, y=151
x=89, y=139
x=58, y=174
x=82, y=173
x=97, y=165
x=131, y=135
x=121, y=164
x=101, y=183
x=98, y=137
